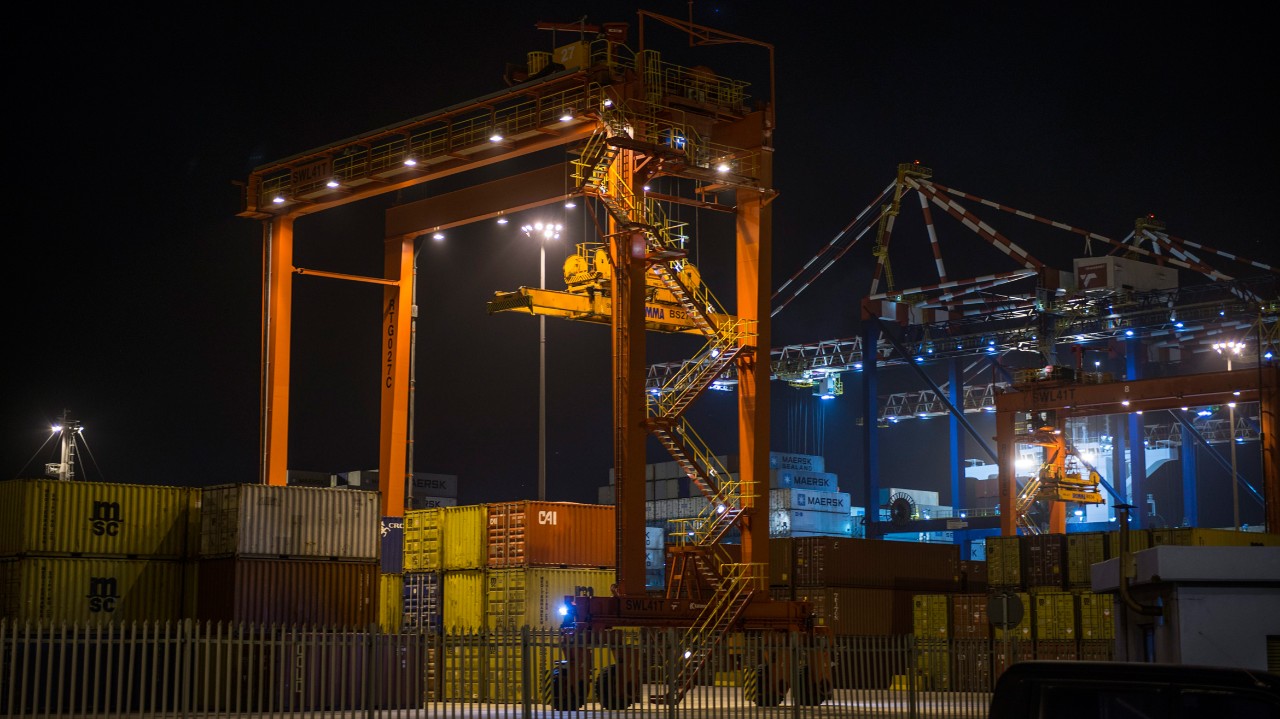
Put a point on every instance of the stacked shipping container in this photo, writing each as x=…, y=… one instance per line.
x=496, y=568
x=94, y=551
x=289, y=555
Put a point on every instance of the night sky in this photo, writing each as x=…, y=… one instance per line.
x=133, y=291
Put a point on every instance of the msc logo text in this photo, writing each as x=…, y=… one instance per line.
x=105, y=519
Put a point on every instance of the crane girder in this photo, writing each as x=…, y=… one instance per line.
x=596, y=308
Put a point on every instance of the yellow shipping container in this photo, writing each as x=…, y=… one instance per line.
x=465, y=605
x=467, y=529
x=1004, y=561
x=1139, y=539
x=1054, y=614
x=424, y=540
x=1085, y=549
x=1206, y=537
x=50, y=517
x=465, y=669
x=533, y=595
x=390, y=602
x=96, y=590
x=1097, y=620
x=504, y=673
x=931, y=616
x=1021, y=630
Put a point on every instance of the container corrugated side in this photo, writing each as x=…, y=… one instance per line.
x=91, y=590
x=931, y=616
x=855, y=611
x=466, y=537
x=918, y=566
x=1004, y=561
x=464, y=669
x=274, y=521
x=1085, y=549
x=1210, y=537
x=781, y=550
x=93, y=519
x=1095, y=616
x=551, y=534
x=1139, y=539
x=424, y=540
x=288, y=591
x=969, y=616
x=390, y=602
x=1043, y=561
x=532, y=596
x=1054, y=614
x=465, y=600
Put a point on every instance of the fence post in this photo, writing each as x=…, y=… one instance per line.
x=526, y=673
x=673, y=671
x=793, y=649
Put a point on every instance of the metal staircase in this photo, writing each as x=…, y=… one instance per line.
x=730, y=585
x=737, y=583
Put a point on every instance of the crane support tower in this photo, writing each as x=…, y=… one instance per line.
x=630, y=118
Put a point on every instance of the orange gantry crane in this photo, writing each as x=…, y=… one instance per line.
x=630, y=118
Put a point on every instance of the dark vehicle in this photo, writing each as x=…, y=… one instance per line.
x=1044, y=689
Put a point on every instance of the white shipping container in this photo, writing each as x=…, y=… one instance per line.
x=802, y=462
x=799, y=522
x=655, y=558
x=432, y=502
x=262, y=520
x=799, y=479
x=1118, y=273
x=807, y=499
x=919, y=496
x=605, y=494
x=654, y=537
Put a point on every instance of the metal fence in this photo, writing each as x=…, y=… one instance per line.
x=190, y=669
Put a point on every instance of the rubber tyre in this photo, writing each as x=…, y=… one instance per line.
x=610, y=691
x=565, y=694
x=769, y=691
x=810, y=694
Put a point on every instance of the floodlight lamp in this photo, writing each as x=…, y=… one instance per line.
x=410, y=162
x=496, y=136
x=438, y=236
x=332, y=183
x=278, y=199
x=567, y=115
x=502, y=220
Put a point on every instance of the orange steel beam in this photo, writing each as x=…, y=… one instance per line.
x=397, y=315
x=754, y=278
x=488, y=200
x=628, y=248
x=277, y=303
x=1084, y=400
x=277, y=325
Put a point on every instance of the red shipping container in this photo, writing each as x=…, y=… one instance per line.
x=288, y=591
x=853, y=611
x=876, y=563
x=969, y=616
x=551, y=534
